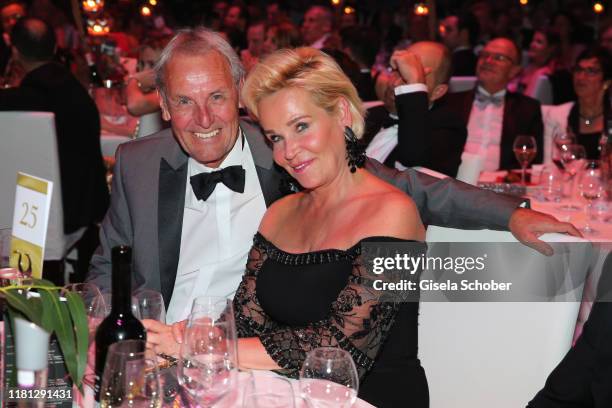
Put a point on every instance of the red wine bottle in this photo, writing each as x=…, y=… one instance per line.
x=120, y=324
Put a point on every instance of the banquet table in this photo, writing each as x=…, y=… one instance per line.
x=234, y=399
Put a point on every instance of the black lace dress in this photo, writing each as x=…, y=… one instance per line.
x=297, y=302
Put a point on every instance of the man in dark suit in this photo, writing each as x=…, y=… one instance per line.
x=494, y=116
x=189, y=199
x=459, y=34
x=50, y=87
x=582, y=379
x=427, y=132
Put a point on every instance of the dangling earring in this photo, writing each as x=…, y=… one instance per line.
x=355, y=151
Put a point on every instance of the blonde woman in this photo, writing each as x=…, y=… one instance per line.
x=306, y=285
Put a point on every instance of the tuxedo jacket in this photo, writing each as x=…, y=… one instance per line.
x=522, y=116
x=464, y=62
x=148, y=198
x=53, y=88
x=583, y=379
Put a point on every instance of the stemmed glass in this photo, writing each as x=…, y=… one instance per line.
x=561, y=140
x=150, y=304
x=208, y=359
x=131, y=377
x=591, y=187
x=267, y=390
x=328, y=378
x=525, y=149
x=573, y=157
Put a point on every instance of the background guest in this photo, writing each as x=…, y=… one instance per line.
x=586, y=118
x=460, y=33
x=283, y=35
x=11, y=71
x=317, y=26
x=491, y=113
x=50, y=87
x=256, y=34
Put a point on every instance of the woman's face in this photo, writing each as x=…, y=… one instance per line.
x=307, y=141
x=270, y=44
x=539, y=51
x=588, y=78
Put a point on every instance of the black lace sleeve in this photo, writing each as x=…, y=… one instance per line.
x=358, y=323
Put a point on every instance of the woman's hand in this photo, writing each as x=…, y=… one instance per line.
x=163, y=338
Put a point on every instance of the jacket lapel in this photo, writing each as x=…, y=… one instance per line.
x=271, y=179
x=171, y=204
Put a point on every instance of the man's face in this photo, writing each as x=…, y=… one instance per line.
x=314, y=26
x=255, y=39
x=606, y=40
x=202, y=103
x=497, y=64
x=232, y=18
x=10, y=14
x=449, y=31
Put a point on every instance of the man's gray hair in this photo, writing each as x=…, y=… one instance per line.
x=197, y=41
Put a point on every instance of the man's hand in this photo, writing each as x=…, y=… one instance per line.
x=528, y=225
x=409, y=66
x=166, y=339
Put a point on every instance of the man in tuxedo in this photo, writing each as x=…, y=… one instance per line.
x=189, y=199
x=494, y=116
x=50, y=87
x=425, y=132
x=317, y=26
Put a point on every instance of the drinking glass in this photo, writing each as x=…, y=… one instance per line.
x=560, y=140
x=328, y=378
x=131, y=377
x=525, y=150
x=573, y=157
x=206, y=369
x=150, y=304
x=591, y=187
x=551, y=184
x=267, y=390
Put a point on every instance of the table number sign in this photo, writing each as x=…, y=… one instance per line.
x=30, y=220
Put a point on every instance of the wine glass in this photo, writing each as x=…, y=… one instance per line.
x=525, y=149
x=591, y=187
x=267, y=390
x=560, y=140
x=328, y=378
x=573, y=157
x=131, y=377
x=206, y=369
x=150, y=304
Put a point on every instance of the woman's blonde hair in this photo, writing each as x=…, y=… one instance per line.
x=308, y=69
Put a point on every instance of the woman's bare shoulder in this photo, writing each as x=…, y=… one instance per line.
x=279, y=211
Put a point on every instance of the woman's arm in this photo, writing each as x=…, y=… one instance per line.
x=140, y=94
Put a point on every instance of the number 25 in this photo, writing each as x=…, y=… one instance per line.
x=29, y=212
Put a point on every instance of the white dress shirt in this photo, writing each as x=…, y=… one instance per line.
x=217, y=235
x=385, y=140
x=484, y=131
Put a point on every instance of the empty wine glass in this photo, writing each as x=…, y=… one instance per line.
x=268, y=390
x=328, y=378
x=561, y=139
x=150, y=304
x=573, y=157
x=591, y=187
x=131, y=377
x=525, y=149
x=206, y=369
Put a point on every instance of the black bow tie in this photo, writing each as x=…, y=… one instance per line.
x=389, y=121
x=204, y=184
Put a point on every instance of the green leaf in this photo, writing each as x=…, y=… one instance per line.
x=79, y=318
x=63, y=329
x=19, y=302
x=47, y=321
